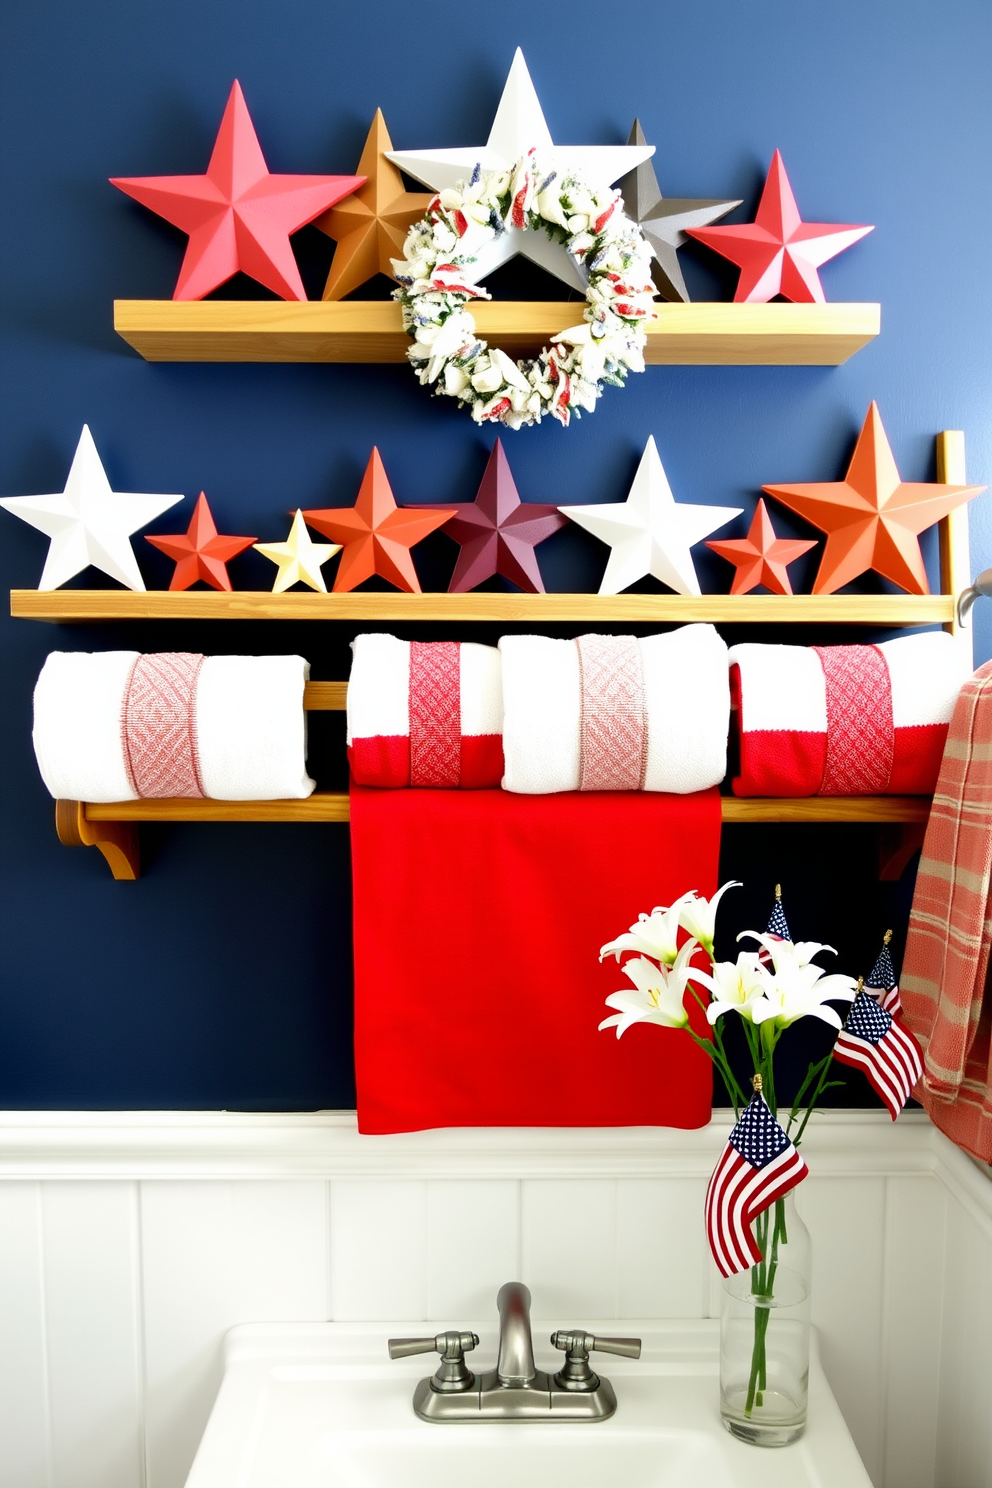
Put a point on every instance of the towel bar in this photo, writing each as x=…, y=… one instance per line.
x=113, y=827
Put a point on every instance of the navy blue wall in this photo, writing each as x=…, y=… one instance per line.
x=221, y=979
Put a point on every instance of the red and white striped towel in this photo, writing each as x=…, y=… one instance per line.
x=844, y=720
x=119, y=726
x=945, y=968
x=424, y=714
x=615, y=713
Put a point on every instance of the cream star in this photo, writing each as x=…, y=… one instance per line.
x=520, y=126
x=299, y=558
x=89, y=524
x=650, y=532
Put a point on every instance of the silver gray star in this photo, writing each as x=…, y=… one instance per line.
x=663, y=220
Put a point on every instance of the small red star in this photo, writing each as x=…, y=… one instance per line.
x=238, y=216
x=198, y=552
x=376, y=534
x=778, y=253
x=761, y=557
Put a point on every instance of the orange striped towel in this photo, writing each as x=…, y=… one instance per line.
x=950, y=931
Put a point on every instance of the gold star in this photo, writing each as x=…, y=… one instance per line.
x=370, y=228
x=299, y=558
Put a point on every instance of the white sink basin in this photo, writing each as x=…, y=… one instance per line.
x=320, y=1405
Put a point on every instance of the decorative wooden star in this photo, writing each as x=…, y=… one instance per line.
x=664, y=220
x=761, y=558
x=779, y=253
x=498, y=532
x=370, y=227
x=88, y=523
x=376, y=533
x=872, y=518
x=520, y=126
x=650, y=532
x=238, y=216
x=299, y=558
x=199, y=552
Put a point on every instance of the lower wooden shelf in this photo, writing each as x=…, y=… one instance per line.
x=113, y=827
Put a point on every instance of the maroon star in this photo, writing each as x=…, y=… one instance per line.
x=199, y=552
x=761, y=557
x=498, y=532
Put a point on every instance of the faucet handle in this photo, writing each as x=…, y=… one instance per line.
x=452, y=1373
x=577, y=1345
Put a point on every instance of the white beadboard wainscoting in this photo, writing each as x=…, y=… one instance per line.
x=129, y=1243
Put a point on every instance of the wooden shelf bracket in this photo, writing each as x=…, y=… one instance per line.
x=117, y=840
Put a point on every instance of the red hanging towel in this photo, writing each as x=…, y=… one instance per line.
x=478, y=990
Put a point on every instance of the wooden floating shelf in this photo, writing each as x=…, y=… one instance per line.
x=701, y=334
x=76, y=605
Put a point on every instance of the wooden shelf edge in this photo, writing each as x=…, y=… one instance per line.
x=327, y=806
x=69, y=606
x=695, y=334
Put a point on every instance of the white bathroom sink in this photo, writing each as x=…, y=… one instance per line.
x=320, y=1405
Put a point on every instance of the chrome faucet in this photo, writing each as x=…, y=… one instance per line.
x=515, y=1360
x=516, y=1390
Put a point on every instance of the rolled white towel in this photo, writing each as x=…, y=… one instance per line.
x=118, y=726
x=615, y=713
x=425, y=714
x=78, y=709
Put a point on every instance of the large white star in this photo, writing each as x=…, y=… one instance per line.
x=520, y=126
x=89, y=524
x=650, y=532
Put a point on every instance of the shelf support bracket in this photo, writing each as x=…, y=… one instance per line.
x=897, y=842
x=117, y=840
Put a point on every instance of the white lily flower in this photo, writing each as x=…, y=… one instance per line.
x=659, y=994
x=653, y=935
x=801, y=989
x=698, y=915
x=735, y=987
x=790, y=953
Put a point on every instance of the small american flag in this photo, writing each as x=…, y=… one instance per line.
x=758, y=1165
x=778, y=927
x=881, y=983
x=873, y=1041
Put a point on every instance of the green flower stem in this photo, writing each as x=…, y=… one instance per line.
x=720, y=1060
x=763, y=1288
x=820, y=1085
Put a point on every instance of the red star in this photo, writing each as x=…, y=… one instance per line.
x=872, y=518
x=498, y=532
x=198, y=552
x=779, y=253
x=376, y=534
x=238, y=216
x=761, y=557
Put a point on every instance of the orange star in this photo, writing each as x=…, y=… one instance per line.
x=376, y=534
x=370, y=228
x=198, y=552
x=872, y=518
x=761, y=557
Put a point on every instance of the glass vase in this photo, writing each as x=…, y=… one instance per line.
x=764, y=1334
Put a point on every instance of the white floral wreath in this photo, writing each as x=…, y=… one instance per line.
x=435, y=287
